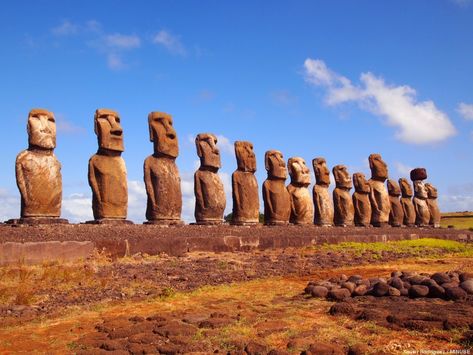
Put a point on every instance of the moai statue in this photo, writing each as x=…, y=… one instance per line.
x=323, y=206
x=396, y=214
x=379, y=194
x=433, y=206
x=245, y=186
x=361, y=200
x=277, y=202
x=406, y=203
x=107, y=171
x=302, y=208
x=38, y=172
x=344, y=211
x=208, y=187
x=161, y=176
x=418, y=176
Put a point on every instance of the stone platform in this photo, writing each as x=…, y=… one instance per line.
x=36, y=244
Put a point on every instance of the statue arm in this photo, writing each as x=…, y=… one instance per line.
x=235, y=191
x=199, y=196
x=20, y=178
x=93, y=181
x=148, y=182
x=267, y=199
x=373, y=199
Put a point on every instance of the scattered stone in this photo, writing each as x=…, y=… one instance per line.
x=416, y=291
x=319, y=291
x=360, y=290
x=341, y=308
x=455, y=293
x=440, y=277
x=396, y=274
x=436, y=291
x=339, y=294
x=450, y=284
x=396, y=282
x=254, y=348
x=350, y=286
x=358, y=349
x=380, y=289
x=464, y=276
x=323, y=349
x=394, y=292
x=467, y=286
x=355, y=278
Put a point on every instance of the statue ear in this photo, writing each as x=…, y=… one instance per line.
x=96, y=128
x=266, y=161
x=197, y=144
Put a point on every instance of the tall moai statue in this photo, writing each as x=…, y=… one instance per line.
x=38, y=172
x=245, y=186
x=208, y=187
x=406, y=203
x=396, y=214
x=432, y=203
x=344, y=211
x=161, y=175
x=323, y=206
x=107, y=171
x=379, y=194
x=361, y=200
x=277, y=202
x=302, y=207
x=418, y=176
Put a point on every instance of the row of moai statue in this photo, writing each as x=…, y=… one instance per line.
x=38, y=175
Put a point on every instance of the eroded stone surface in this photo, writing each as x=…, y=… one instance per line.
x=302, y=208
x=107, y=170
x=379, y=197
x=420, y=198
x=210, y=198
x=433, y=205
x=323, y=206
x=38, y=172
x=344, y=211
x=361, y=200
x=245, y=186
x=406, y=202
x=277, y=201
x=161, y=175
x=396, y=214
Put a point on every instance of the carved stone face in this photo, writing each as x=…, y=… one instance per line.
x=361, y=185
x=108, y=130
x=393, y=188
x=420, y=190
x=379, y=169
x=41, y=129
x=431, y=191
x=162, y=134
x=275, y=165
x=298, y=171
x=206, y=144
x=322, y=174
x=342, y=177
x=245, y=156
x=406, y=189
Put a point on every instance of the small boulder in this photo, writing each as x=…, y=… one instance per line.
x=350, y=286
x=417, y=291
x=450, y=284
x=320, y=348
x=396, y=274
x=416, y=279
x=394, y=292
x=355, y=278
x=308, y=289
x=464, y=276
x=254, y=348
x=429, y=282
x=365, y=282
x=358, y=349
x=360, y=290
x=440, y=277
x=342, y=308
x=343, y=277
x=455, y=293
x=319, y=291
x=436, y=291
x=396, y=282
x=380, y=289
x=339, y=294
x=467, y=286
x=404, y=292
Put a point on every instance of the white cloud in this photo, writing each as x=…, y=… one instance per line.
x=66, y=28
x=9, y=205
x=77, y=208
x=416, y=122
x=121, y=41
x=169, y=41
x=65, y=126
x=402, y=169
x=461, y=3
x=115, y=62
x=283, y=97
x=225, y=145
x=465, y=110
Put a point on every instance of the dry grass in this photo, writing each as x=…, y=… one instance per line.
x=459, y=220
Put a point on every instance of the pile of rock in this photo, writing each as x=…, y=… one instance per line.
x=451, y=285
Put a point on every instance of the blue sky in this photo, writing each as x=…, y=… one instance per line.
x=339, y=79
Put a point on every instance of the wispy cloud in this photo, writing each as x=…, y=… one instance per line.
x=465, y=110
x=121, y=41
x=225, y=144
x=416, y=122
x=170, y=41
x=64, y=125
x=283, y=98
x=66, y=28
x=462, y=3
x=402, y=169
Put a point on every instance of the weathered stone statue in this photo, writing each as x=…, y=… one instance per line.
x=38, y=172
x=379, y=194
x=323, y=206
x=277, y=202
x=396, y=214
x=420, y=197
x=161, y=176
x=433, y=206
x=406, y=203
x=343, y=205
x=245, y=186
x=302, y=208
x=210, y=199
x=361, y=200
x=107, y=171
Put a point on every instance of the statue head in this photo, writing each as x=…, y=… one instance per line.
x=379, y=169
x=298, y=171
x=162, y=134
x=322, y=174
x=41, y=129
x=361, y=185
x=342, y=177
x=431, y=191
x=245, y=156
x=206, y=144
x=406, y=189
x=420, y=190
x=393, y=188
x=275, y=165
x=108, y=130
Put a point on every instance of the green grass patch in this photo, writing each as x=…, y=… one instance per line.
x=458, y=222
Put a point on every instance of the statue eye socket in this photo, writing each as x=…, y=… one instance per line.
x=51, y=119
x=117, y=119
